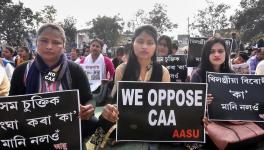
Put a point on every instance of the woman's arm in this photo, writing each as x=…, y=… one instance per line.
x=166, y=75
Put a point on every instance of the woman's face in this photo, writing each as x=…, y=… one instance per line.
x=95, y=48
x=163, y=49
x=50, y=45
x=217, y=55
x=22, y=53
x=144, y=46
x=74, y=54
x=7, y=54
x=239, y=60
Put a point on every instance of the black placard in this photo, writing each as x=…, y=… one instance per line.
x=161, y=112
x=177, y=66
x=40, y=121
x=195, y=50
x=236, y=97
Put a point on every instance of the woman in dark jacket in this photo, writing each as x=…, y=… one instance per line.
x=28, y=78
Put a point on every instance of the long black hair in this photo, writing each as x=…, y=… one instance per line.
x=132, y=70
x=206, y=65
x=168, y=42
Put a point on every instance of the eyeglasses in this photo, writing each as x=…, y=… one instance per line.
x=220, y=51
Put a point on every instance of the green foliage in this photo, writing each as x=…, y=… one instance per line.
x=106, y=28
x=68, y=25
x=48, y=14
x=210, y=19
x=16, y=23
x=4, y=3
x=250, y=20
x=156, y=17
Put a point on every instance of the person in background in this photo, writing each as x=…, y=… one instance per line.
x=99, y=69
x=260, y=42
x=28, y=77
x=239, y=63
x=164, y=46
x=217, y=35
x=7, y=62
x=24, y=55
x=236, y=44
x=118, y=59
x=260, y=68
x=9, y=68
x=86, y=51
x=8, y=53
x=254, y=60
x=174, y=49
x=75, y=55
x=127, y=49
x=4, y=82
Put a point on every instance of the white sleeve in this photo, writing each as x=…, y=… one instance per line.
x=2, y=73
x=260, y=68
x=9, y=70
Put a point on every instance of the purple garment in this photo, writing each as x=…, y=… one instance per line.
x=253, y=62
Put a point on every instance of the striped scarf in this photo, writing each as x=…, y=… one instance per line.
x=39, y=67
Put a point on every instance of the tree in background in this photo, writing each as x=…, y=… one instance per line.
x=210, y=19
x=106, y=28
x=68, y=25
x=16, y=22
x=250, y=19
x=139, y=20
x=47, y=15
x=157, y=17
x=4, y=3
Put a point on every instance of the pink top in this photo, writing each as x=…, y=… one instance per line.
x=109, y=67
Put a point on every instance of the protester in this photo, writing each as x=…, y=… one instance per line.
x=214, y=59
x=236, y=44
x=141, y=66
x=127, y=49
x=100, y=67
x=9, y=68
x=217, y=35
x=4, y=82
x=24, y=55
x=174, y=49
x=239, y=63
x=75, y=55
x=164, y=46
x=260, y=68
x=118, y=59
x=28, y=77
x=260, y=43
x=7, y=62
x=86, y=50
x=254, y=60
x=8, y=53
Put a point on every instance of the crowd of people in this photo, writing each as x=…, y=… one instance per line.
x=135, y=61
